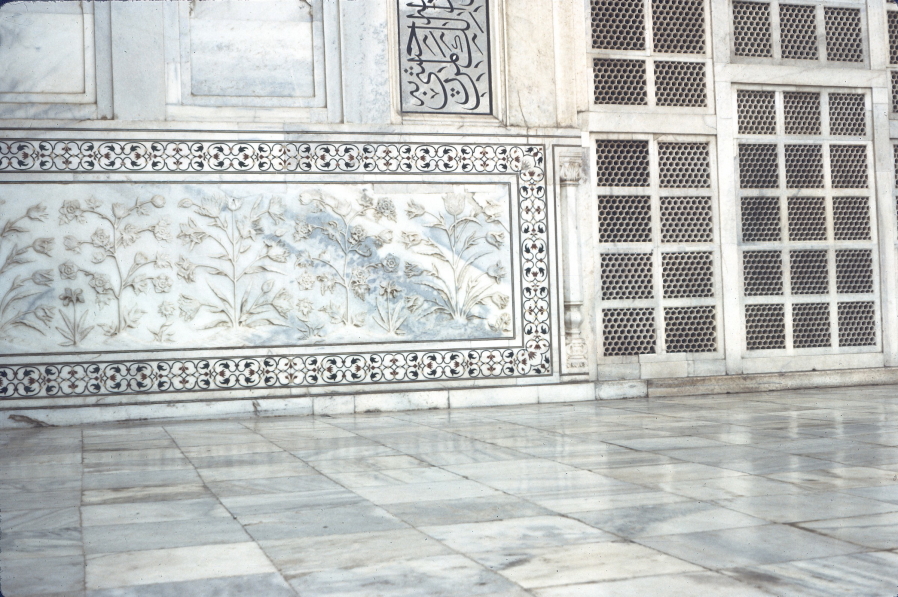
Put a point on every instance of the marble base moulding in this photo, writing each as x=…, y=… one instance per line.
x=235, y=269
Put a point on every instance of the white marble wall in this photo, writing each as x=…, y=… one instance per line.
x=327, y=72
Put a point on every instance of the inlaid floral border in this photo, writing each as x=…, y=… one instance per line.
x=532, y=358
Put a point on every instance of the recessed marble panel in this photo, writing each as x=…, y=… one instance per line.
x=42, y=51
x=256, y=49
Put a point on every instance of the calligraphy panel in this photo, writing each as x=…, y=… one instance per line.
x=444, y=56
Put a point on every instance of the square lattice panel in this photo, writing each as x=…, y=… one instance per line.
x=807, y=234
x=791, y=32
x=658, y=257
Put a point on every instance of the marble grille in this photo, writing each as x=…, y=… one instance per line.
x=658, y=260
x=809, y=258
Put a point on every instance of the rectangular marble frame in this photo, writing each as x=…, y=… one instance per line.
x=534, y=356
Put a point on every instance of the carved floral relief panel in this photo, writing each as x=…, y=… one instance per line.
x=444, y=56
x=107, y=267
x=372, y=263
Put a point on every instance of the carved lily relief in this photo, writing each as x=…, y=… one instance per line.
x=20, y=301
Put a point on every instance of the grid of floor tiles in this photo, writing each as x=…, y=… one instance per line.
x=789, y=493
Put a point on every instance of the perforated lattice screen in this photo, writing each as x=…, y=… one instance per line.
x=757, y=112
x=625, y=219
x=809, y=256
x=657, y=258
x=804, y=166
x=678, y=26
x=619, y=82
x=751, y=29
x=686, y=220
x=847, y=114
x=618, y=24
x=628, y=331
x=802, y=113
x=844, y=34
x=680, y=83
x=627, y=276
x=798, y=32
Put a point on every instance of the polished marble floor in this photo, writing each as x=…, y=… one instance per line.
x=788, y=493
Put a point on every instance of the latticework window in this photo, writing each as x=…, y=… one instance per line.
x=620, y=82
x=809, y=259
x=806, y=30
x=618, y=24
x=658, y=264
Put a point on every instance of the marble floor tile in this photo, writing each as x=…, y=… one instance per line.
x=229, y=449
x=655, y=474
x=837, y=478
x=515, y=534
x=40, y=500
x=375, y=463
x=39, y=520
x=790, y=508
x=262, y=585
x=318, y=522
x=41, y=544
x=883, y=493
x=106, y=571
x=302, y=555
x=162, y=535
x=178, y=491
x=51, y=575
x=856, y=574
x=146, y=512
x=459, y=511
x=139, y=479
x=729, y=487
x=878, y=531
x=262, y=471
x=748, y=546
x=423, y=492
x=271, y=503
x=447, y=576
x=581, y=563
x=667, y=519
x=689, y=584
x=272, y=485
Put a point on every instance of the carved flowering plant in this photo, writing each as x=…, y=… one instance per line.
x=115, y=268
x=21, y=293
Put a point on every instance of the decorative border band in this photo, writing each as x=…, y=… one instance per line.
x=532, y=358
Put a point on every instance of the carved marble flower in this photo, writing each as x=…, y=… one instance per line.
x=167, y=309
x=385, y=209
x=454, y=203
x=71, y=210
x=389, y=289
x=496, y=272
x=410, y=239
x=414, y=209
x=191, y=234
x=71, y=243
x=277, y=208
x=304, y=308
x=302, y=230
x=43, y=246
x=358, y=283
x=128, y=235
x=163, y=261
x=158, y=201
x=71, y=297
x=306, y=281
x=68, y=270
x=101, y=239
x=119, y=210
x=500, y=300
x=37, y=213
x=98, y=257
x=45, y=313
x=502, y=324
x=100, y=283
x=412, y=270
x=357, y=235
x=186, y=269
x=161, y=230
x=390, y=263
x=497, y=239
x=188, y=306
x=413, y=302
x=247, y=229
x=162, y=283
x=42, y=277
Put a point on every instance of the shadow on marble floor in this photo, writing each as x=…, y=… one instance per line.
x=787, y=493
